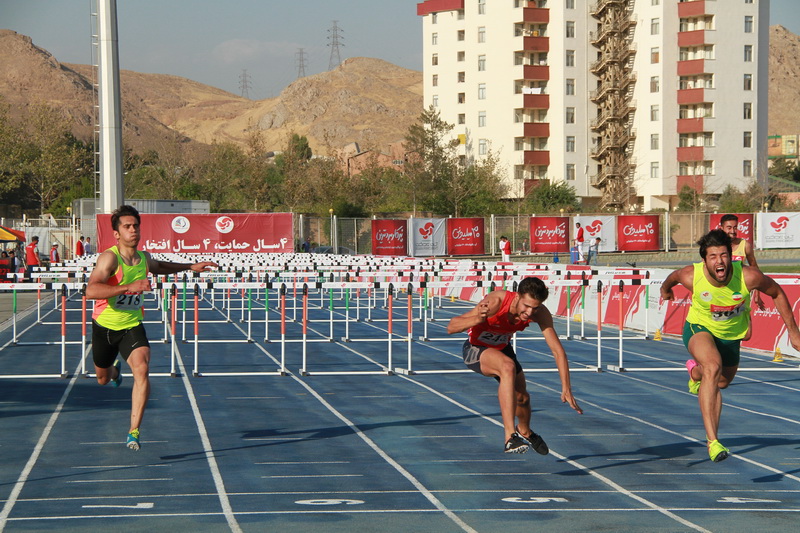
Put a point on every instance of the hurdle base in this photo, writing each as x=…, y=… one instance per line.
x=65, y=375
x=615, y=368
x=173, y=374
x=345, y=339
x=423, y=338
x=403, y=371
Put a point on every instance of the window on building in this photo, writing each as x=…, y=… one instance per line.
x=435, y=100
x=747, y=168
x=434, y=39
x=570, y=29
x=460, y=35
x=683, y=169
x=481, y=91
x=541, y=143
x=570, y=115
x=654, y=141
x=654, y=112
x=747, y=111
x=748, y=1
x=748, y=82
x=655, y=2
x=460, y=14
x=482, y=34
x=748, y=23
x=683, y=25
x=519, y=144
x=434, y=18
x=570, y=144
x=570, y=86
x=483, y=146
x=570, y=174
x=435, y=59
x=435, y=80
x=481, y=119
x=460, y=56
x=655, y=25
x=481, y=63
x=747, y=140
x=654, y=84
x=655, y=55
x=462, y=118
x=481, y=7
x=570, y=4
x=748, y=53
x=462, y=77
x=708, y=139
x=654, y=167
x=570, y=58
x=462, y=97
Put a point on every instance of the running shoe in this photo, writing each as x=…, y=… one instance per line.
x=516, y=444
x=133, y=440
x=118, y=381
x=717, y=452
x=536, y=442
x=694, y=386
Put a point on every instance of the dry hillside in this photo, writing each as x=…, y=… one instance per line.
x=784, y=90
x=364, y=100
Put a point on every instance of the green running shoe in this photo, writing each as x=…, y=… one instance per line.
x=694, y=386
x=133, y=440
x=717, y=452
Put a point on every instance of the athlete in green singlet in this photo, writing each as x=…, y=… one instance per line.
x=718, y=320
x=117, y=282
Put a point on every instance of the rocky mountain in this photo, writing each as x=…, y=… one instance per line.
x=364, y=100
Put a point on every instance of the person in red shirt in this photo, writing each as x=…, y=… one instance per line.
x=31, y=257
x=491, y=324
x=505, y=249
x=54, y=258
x=79, y=247
x=579, y=242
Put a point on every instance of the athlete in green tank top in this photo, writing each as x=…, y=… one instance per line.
x=717, y=321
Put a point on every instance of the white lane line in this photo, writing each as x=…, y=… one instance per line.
x=397, y=466
x=689, y=473
x=312, y=475
x=118, y=442
x=37, y=450
x=212, y=461
x=120, y=480
x=303, y=463
x=607, y=481
x=501, y=474
x=143, y=505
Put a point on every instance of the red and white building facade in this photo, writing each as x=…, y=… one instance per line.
x=515, y=78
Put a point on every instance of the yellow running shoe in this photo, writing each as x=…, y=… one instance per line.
x=717, y=452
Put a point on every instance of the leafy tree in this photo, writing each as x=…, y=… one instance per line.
x=552, y=197
x=783, y=168
x=733, y=201
x=478, y=189
x=688, y=199
x=10, y=154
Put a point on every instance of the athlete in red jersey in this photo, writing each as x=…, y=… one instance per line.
x=491, y=324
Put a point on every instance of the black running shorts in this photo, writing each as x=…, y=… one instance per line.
x=471, y=353
x=107, y=343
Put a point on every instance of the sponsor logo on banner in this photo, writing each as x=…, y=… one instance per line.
x=180, y=224
x=634, y=230
x=743, y=228
x=465, y=236
x=389, y=237
x=781, y=224
x=224, y=224
x=594, y=228
x=461, y=234
x=544, y=233
x=386, y=236
x=638, y=232
x=427, y=230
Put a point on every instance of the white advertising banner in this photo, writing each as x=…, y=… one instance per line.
x=428, y=237
x=778, y=230
x=603, y=226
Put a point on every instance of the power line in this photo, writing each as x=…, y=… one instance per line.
x=333, y=42
x=244, y=84
x=301, y=63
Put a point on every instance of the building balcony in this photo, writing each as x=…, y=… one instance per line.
x=536, y=129
x=536, y=101
x=536, y=15
x=692, y=38
x=535, y=44
x=536, y=72
x=694, y=8
x=618, y=55
x=608, y=86
x=692, y=67
x=609, y=173
x=596, y=38
x=693, y=181
x=691, y=96
x=690, y=153
x=434, y=6
x=536, y=157
x=690, y=125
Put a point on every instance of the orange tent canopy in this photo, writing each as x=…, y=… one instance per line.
x=8, y=234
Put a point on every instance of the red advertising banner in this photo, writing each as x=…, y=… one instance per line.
x=214, y=233
x=638, y=232
x=389, y=237
x=743, y=231
x=465, y=236
x=549, y=234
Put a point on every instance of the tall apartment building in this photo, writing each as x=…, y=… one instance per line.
x=626, y=100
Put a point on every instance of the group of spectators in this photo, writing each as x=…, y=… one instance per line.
x=24, y=260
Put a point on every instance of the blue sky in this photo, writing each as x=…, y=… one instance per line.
x=212, y=41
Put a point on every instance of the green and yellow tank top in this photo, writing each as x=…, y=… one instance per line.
x=725, y=311
x=123, y=311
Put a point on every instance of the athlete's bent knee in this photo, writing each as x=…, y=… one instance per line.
x=523, y=399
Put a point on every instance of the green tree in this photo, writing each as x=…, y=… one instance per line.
x=733, y=201
x=10, y=154
x=478, y=189
x=689, y=200
x=551, y=198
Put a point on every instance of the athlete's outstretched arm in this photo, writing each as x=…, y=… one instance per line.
x=155, y=266
x=683, y=276
x=98, y=287
x=487, y=307
x=545, y=320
